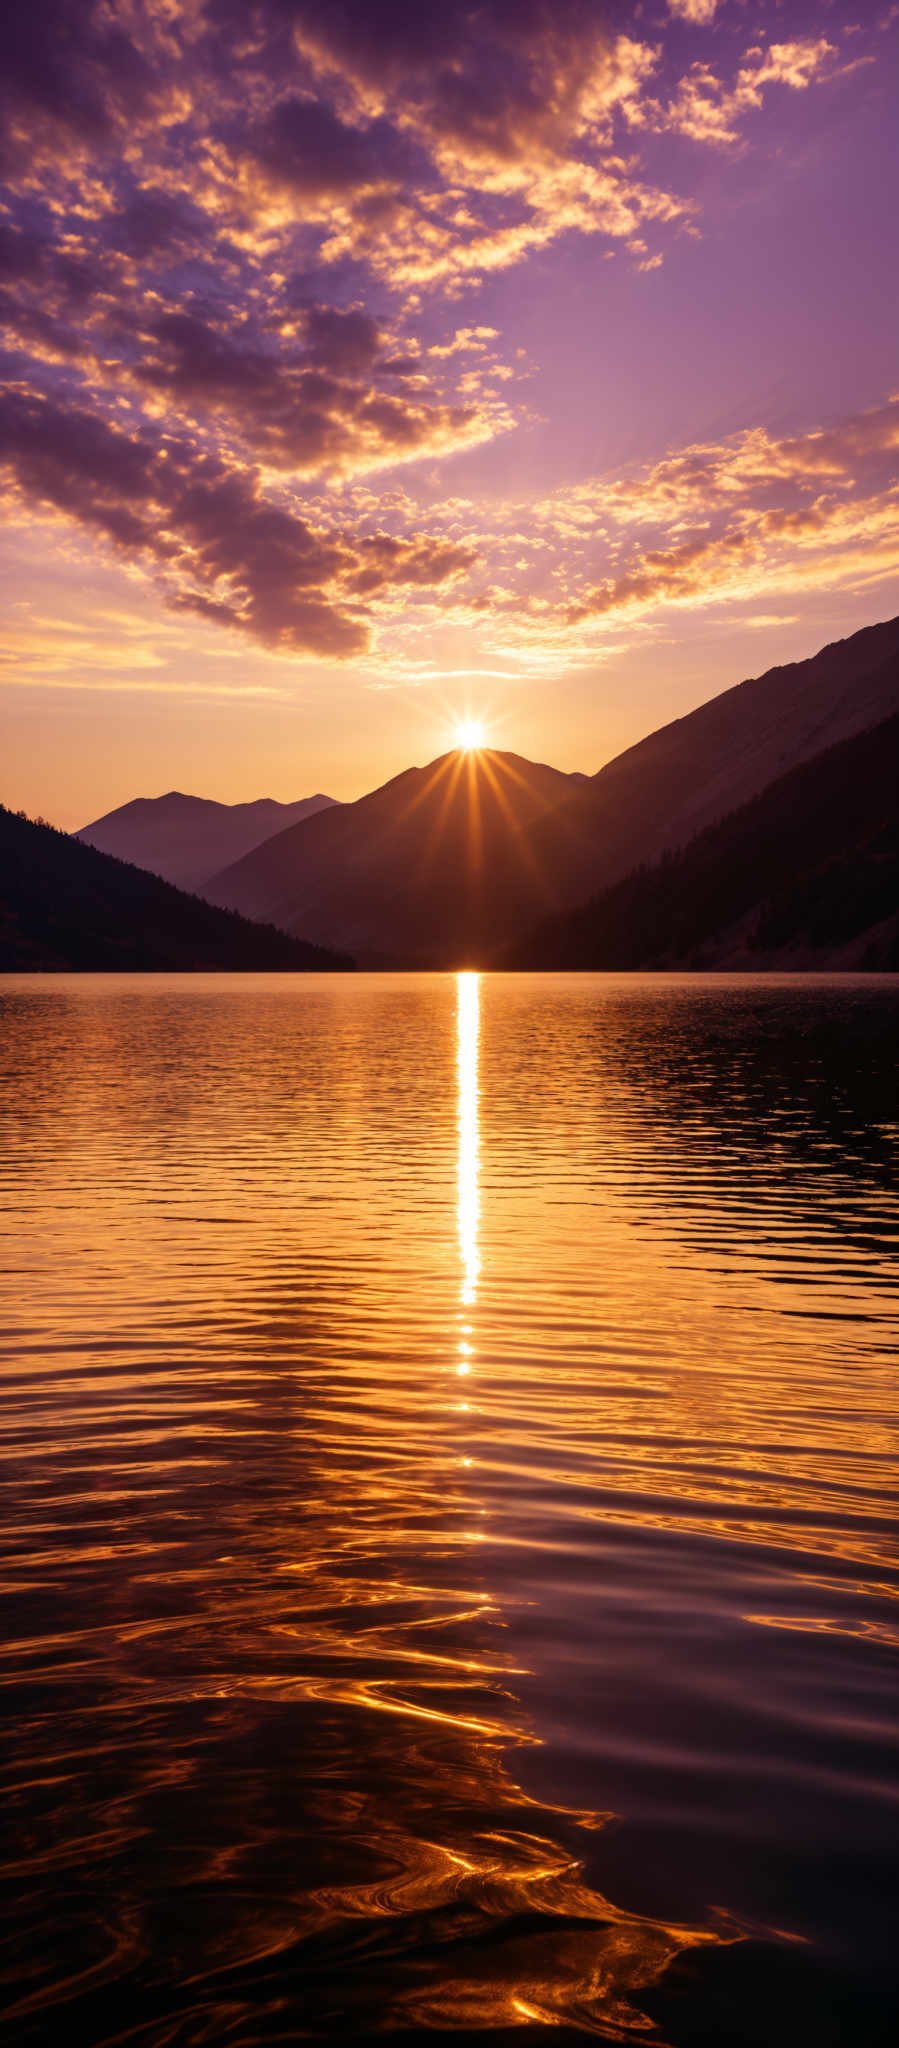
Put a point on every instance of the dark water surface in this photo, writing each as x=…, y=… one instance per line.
x=449, y=1518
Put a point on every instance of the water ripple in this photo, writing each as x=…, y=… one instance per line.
x=449, y=1536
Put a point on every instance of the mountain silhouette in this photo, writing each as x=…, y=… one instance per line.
x=187, y=838
x=446, y=864
x=806, y=874
x=415, y=873
x=658, y=794
x=64, y=905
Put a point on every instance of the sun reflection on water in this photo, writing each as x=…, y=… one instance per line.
x=468, y=1028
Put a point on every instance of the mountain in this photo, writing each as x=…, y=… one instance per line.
x=418, y=872
x=64, y=905
x=806, y=874
x=446, y=864
x=659, y=793
x=187, y=838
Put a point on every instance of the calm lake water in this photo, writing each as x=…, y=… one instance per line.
x=449, y=1523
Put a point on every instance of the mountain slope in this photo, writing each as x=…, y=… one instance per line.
x=65, y=905
x=806, y=873
x=187, y=838
x=681, y=778
x=418, y=872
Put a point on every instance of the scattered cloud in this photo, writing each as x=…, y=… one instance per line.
x=466, y=340
x=707, y=109
x=706, y=477
x=700, y=12
x=302, y=408
x=221, y=548
x=828, y=545
x=752, y=517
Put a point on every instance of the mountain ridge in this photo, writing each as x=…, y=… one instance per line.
x=408, y=870
x=331, y=876
x=185, y=838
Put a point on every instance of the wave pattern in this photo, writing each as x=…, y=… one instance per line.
x=449, y=1506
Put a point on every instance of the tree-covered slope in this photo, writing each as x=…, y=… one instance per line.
x=805, y=871
x=64, y=905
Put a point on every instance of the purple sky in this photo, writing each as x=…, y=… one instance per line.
x=370, y=365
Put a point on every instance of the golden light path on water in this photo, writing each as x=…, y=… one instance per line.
x=468, y=1026
x=584, y=1959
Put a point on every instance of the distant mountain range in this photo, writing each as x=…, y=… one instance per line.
x=760, y=829
x=187, y=838
x=451, y=864
x=804, y=875
x=64, y=905
x=431, y=870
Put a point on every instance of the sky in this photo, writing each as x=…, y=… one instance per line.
x=370, y=365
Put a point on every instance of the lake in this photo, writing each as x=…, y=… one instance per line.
x=449, y=1521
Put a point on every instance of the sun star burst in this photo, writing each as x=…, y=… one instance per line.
x=469, y=734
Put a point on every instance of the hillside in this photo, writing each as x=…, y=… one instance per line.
x=805, y=874
x=661, y=792
x=187, y=838
x=419, y=873
x=63, y=905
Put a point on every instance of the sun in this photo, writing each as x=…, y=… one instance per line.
x=469, y=734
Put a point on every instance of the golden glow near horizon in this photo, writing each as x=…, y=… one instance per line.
x=469, y=734
x=468, y=1024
